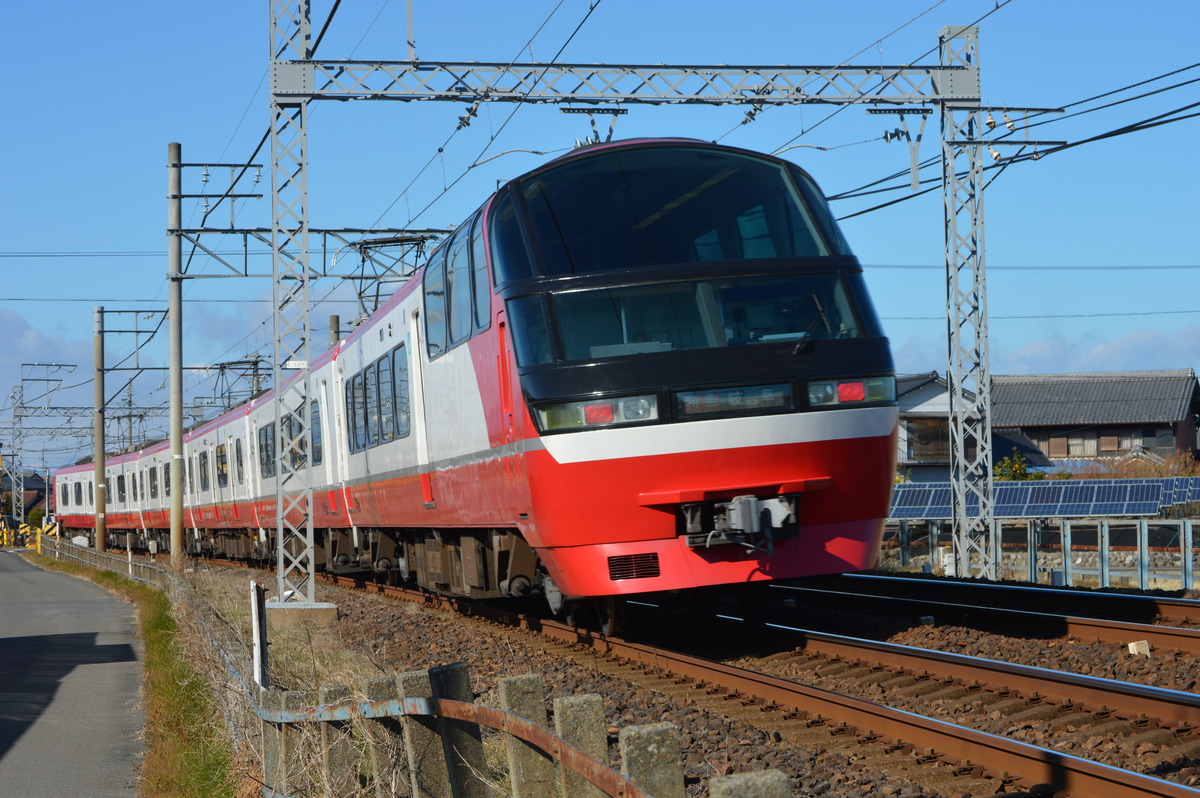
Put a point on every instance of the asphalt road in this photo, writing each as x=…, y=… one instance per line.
x=69, y=675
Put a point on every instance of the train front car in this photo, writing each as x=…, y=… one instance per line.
x=713, y=394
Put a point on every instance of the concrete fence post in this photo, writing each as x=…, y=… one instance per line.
x=651, y=759
x=390, y=774
x=296, y=742
x=422, y=744
x=760, y=784
x=531, y=771
x=282, y=742
x=579, y=720
x=463, y=740
x=338, y=769
x=274, y=772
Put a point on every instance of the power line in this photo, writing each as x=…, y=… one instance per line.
x=1056, y=315
x=942, y=267
x=862, y=190
x=495, y=134
x=93, y=300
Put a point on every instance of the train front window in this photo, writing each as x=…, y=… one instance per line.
x=705, y=314
x=663, y=206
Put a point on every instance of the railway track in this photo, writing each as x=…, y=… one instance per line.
x=1029, y=622
x=924, y=747
x=1130, y=607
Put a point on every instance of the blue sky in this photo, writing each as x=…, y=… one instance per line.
x=1092, y=252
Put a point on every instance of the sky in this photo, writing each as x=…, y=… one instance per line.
x=1091, y=252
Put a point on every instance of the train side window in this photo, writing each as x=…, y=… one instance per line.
x=480, y=287
x=371, y=388
x=166, y=469
x=510, y=258
x=64, y=495
x=266, y=450
x=360, y=413
x=531, y=336
x=314, y=418
x=142, y=487
x=121, y=488
x=387, y=406
x=91, y=494
x=435, y=305
x=222, y=462
x=820, y=209
x=78, y=493
x=458, y=277
x=191, y=475
x=351, y=421
x=239, y=468
x=400, y=378
x=152, y=477
x=133, y=487
x=293, y=437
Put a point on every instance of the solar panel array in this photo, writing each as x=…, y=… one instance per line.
x=1087, y=498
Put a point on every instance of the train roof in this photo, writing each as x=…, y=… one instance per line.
x=671, y=141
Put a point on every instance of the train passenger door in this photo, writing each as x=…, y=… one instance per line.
x=505, y=382
x=417, y=406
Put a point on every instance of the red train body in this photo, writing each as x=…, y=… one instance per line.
x=649, y=365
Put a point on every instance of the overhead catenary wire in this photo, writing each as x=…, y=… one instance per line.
x=999, y=5
x=592, y=6
x=935, y=160
x=996, y=171
x=844, y=62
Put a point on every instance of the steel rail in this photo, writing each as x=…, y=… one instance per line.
x=1163, y=608
x=1175, y=708
x=1106, y=631
x=997, y=755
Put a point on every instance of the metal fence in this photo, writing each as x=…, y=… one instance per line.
x=1097, y=552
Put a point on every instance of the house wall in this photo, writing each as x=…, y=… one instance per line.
x=920, y=410
x=1112, y=441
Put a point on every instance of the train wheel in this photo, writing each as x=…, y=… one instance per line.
x=609, y=611
x=569, y=612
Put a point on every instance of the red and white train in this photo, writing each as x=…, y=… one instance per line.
x=648, y=365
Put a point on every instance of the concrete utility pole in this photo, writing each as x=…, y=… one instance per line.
x=16, y=462
x=98, y=428
x=175, y=326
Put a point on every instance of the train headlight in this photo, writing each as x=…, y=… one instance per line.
x=595, y=413
x=639, y=408
x=853, y=391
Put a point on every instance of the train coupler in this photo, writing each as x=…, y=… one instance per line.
x=752, y=522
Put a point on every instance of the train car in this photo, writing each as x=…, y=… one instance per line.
x=649, y=365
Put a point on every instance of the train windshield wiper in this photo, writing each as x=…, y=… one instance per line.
x=820, y=318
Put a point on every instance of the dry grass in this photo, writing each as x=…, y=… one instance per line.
x=305, y=656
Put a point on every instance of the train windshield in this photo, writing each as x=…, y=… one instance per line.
x=661, y=206
x=702, y=314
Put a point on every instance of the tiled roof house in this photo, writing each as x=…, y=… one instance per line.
x=1107, y=415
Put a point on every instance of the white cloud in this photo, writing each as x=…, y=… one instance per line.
x=918, y=355
x=1139, y=350
x=24, y=343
